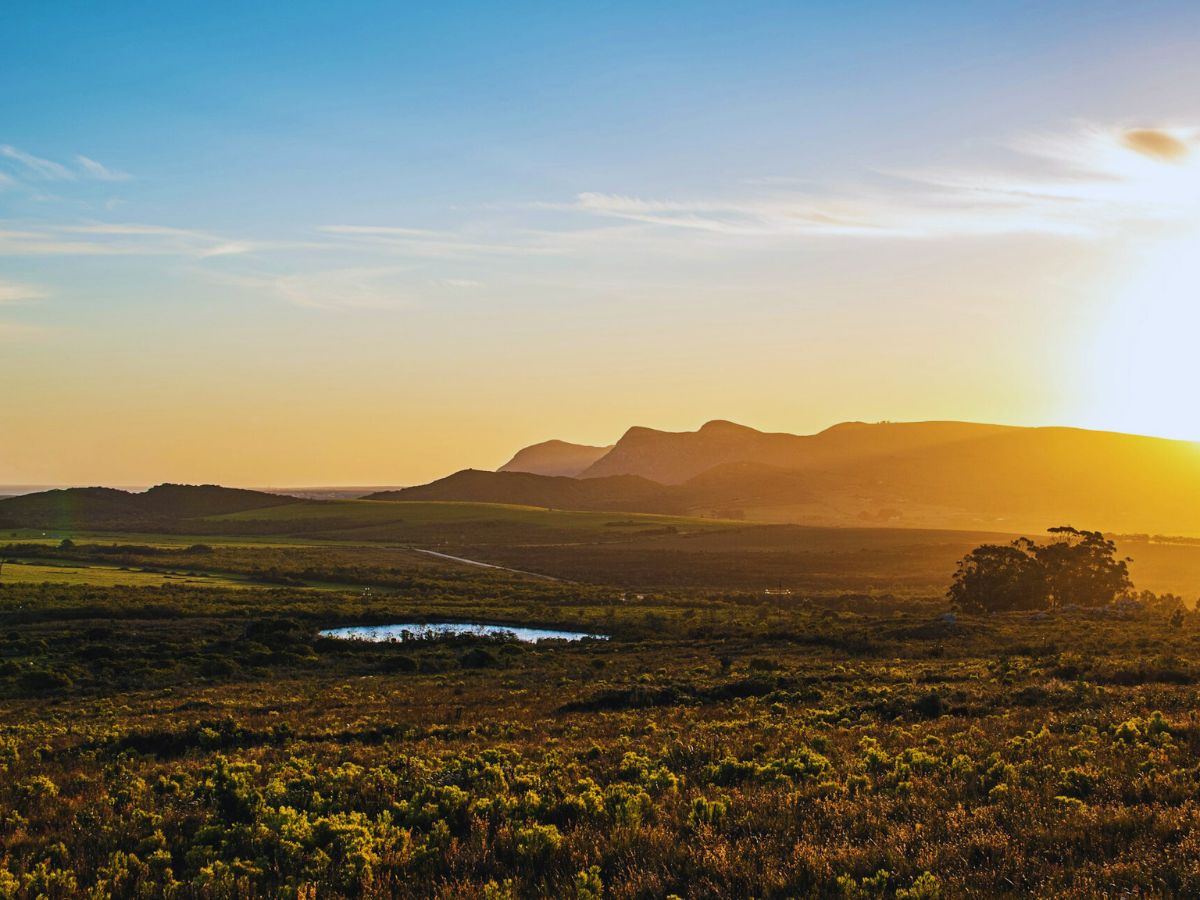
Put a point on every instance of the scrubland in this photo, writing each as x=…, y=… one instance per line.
x=207, y=742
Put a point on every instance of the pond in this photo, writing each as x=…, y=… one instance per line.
x=408, y=630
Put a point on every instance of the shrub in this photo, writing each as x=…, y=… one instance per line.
x=479, y=658
x=707, y=812
x=588, y=885
x=535, y=844
x=45, y=680
x=926, y=887
x=399, y=663
x=217, y=667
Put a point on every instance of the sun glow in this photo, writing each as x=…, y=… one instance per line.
x=1138, y=355
x=1144, y=359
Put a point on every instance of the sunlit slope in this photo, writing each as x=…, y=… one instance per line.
x=554, y=458
x=621, y=492
x=1025, y=479
x=675, y=457
x=925, y=474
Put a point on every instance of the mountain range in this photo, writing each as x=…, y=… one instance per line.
x=915, y=474
x=942, y=475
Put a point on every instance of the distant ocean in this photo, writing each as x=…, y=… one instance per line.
x=308, y=493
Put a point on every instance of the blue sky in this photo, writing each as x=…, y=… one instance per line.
x=492, y=224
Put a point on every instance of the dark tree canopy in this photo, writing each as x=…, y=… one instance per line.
x=1081, y=568
x=1074, y=568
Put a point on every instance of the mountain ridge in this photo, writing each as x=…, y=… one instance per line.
x=672, y=457
x=938, y=473
x=554, y=457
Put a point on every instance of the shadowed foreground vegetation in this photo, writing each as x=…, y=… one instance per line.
x=206, y=742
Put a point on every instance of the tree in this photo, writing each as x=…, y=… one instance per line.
x=998, y=577
x=1076, y=568
x=1081, y=568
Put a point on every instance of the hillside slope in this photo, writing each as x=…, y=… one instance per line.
x=619, y=492
x=922, y=474
x=101, y=508
x=674, y=457
x=554, y=458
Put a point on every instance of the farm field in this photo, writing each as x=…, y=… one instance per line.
x=110, y=576
x=626, y=550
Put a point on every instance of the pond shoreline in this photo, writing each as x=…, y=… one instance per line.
x=418, y=631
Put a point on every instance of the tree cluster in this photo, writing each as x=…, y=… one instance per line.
x=1073, y=568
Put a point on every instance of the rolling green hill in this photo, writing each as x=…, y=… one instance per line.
x=163, y=506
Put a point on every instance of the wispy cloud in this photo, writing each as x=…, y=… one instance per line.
x=760, y=215
x=342, y=288
x=1087, y=182
x=43, y=169
x=118, y=239
x=25, y=165
x=100, y=171
x=14, y=292
x=1083, y=183
x=345, y=288
x=434, y=243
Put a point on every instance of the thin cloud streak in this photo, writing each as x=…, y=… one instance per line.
x=43, y=169
x=344, y=288
x=118, y=239
x=442, y=244
x=40, y=169
x=14, y=292
x=99, y=171
x=1091, y=183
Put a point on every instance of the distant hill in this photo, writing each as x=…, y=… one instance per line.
x=106, y=508
x=618, y=492
x=554, y=458
x=674, y=457
x=953, y=475
x=941, y=475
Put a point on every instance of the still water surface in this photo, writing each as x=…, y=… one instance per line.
x=433, y=629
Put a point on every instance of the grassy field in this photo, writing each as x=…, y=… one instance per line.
x=400, y=521
x=15, y=572
x=630, y=551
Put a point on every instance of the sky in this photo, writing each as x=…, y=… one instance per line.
x=284, y=244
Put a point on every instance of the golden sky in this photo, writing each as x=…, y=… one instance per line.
x=429, y=250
